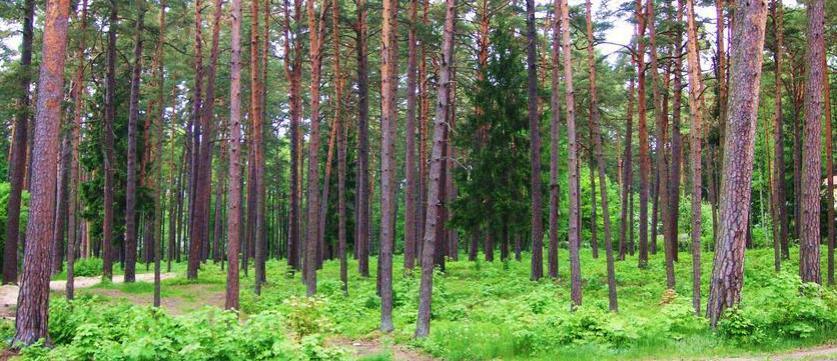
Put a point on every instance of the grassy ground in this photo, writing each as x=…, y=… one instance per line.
x=491, y=310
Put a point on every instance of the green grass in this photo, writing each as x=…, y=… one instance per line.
x=491, y=310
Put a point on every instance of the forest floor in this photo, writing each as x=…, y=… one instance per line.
x=9, y=293
x=491, y=311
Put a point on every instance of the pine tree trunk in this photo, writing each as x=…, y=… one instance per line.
x=342, y=134
x=596, y=134
x=746, y=59
x=829, y=166
x=436, y=168
x=626, y=224
x=17, y=159
x=293, y=72
x=234, y=205
x=78, y=96
x=33, y=300
x=362, y=192
x=309, y=265
x=194, y=213
x=389, y=85
x=644, y=159
x=107, y=146
x=572, y=151
x=809, y=197
x=554, y=130
x=535, y=144
x=131, y=177
x=695, y=115
x=411, y=192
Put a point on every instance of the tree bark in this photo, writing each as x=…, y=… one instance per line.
x=107, y=145
x=435, y=184
x=644, y=159
x=234, y=205
x=33, y=300
x=600, y=161
x=293, y=73
x=572, y=151
x=626, y=224
x=194, y=204
x=829, y=161
x=309, y=266
x=362, y=192
x=746, y=59
x=257, y=131
x=17, y=159
x=131, y=177
x=535, y=144
x=554, y=130
x=809, y=197
x=780, y=235
x=411, y=192
x=695, y=133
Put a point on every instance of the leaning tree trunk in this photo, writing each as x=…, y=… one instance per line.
x=434, y=186
x=572, y=150
x=17, y=159
x=809, y=197
x=33, y=300
x=596, y=133
x=535, y=144
x=746, y=58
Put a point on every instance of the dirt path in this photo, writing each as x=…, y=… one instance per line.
x=364, y=348
x=9, y=293
x=824, y=352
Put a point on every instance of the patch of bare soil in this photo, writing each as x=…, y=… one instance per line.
x=819, y=353
x=363, y=348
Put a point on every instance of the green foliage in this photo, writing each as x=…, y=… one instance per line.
x=784, y=308
x=5, y=191
x=88, y=329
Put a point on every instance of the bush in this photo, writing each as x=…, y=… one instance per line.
x=88, y=329
x=88, y=267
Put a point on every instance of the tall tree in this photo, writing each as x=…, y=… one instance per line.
x=555, y=102
x=33, y=300
x=781, y=234
x=77, y=95
x=389, y=117
x=234, y=205
x=809, y=197
x=644, y=159
x=596, y=133
x=159, y=78
x=257, y=145
x=695, y=115
x=197, y=124
x=293, y=73
x=411, y=192
x=434, y=185
x=534, y=143
x=362, y=192
x=315, y=26
x=131, y=177
x=626, y=219
x=341, y=148
x=746, y=59
x=17, y=158
x=572, y=151
x=829, y=161
x=107, y=144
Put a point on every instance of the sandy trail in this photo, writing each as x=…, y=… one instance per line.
x=824, y=352
x=9, y=293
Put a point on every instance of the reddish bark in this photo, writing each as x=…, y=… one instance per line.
x=33, y=300
x=234, y=205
